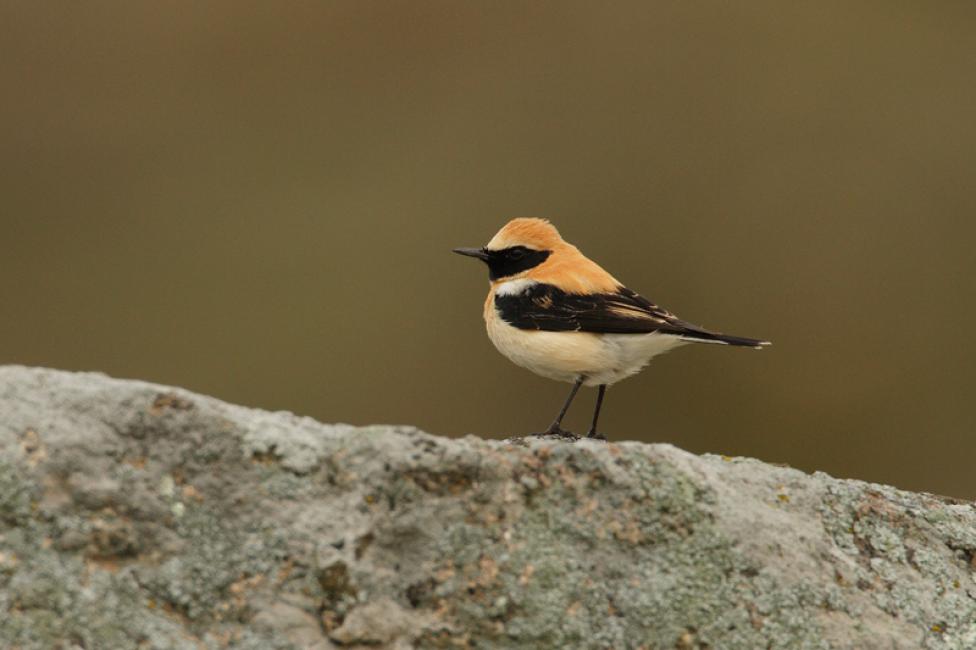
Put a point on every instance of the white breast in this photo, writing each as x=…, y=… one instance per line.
x=564, y=356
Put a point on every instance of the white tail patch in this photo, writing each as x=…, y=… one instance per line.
x=692, y=339
x=758, y=346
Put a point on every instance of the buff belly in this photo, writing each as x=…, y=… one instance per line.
x=565, y=356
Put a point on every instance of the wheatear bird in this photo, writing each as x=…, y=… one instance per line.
x=557, y=313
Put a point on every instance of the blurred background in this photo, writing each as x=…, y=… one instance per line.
x=258, y=201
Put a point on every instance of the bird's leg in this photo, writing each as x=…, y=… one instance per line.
x=596, y=414
x=554, y=428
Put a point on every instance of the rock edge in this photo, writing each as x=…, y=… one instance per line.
x=134, y=515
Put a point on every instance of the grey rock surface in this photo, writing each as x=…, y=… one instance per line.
x=141, y=516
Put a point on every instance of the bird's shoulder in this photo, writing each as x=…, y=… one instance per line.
x=548, y=306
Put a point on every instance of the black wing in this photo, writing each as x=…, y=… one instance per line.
x=546, y=307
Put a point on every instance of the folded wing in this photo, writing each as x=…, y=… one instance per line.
x=546, y=307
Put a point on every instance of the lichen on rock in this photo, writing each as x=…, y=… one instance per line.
x=141, y=516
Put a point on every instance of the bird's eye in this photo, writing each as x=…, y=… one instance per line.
x=516, y=254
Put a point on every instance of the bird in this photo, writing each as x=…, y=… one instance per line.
x=552, y=310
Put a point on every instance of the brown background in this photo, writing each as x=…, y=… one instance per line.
x=257, y=200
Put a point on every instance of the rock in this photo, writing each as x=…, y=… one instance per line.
x=141, y=516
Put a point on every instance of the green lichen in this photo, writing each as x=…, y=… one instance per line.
x=17, y=492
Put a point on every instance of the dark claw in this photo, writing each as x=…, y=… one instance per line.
x=593, y=435
x=557, y=432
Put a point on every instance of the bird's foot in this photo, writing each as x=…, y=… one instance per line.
x=593, y=435
x=557, y=432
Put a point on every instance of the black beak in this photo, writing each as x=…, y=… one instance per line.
x=480, y=253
